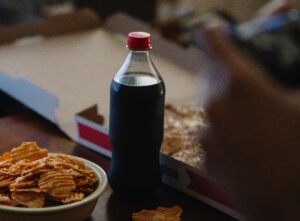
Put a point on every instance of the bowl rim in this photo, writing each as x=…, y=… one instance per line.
x=103, y=182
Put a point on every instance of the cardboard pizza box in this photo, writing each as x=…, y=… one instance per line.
x=65, y=77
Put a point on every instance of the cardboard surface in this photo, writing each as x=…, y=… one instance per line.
x=77, y=69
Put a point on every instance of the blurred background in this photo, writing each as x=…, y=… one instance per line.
x=170, y=17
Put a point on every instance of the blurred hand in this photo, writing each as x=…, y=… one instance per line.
x=253, y=138
x=276, y=7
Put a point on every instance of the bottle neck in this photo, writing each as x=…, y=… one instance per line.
x=138, y=66
x=139, y=56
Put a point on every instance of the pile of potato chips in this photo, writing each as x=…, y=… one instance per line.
x=30, y=177
x=160, y=214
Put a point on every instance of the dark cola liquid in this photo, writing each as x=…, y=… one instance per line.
x=136, y=133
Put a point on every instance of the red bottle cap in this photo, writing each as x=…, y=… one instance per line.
x=139, y=41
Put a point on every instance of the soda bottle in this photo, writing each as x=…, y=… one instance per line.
x=137, y=99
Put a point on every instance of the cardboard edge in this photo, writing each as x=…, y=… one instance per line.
x=173, y=168
x=31, y=95
x=92, y=135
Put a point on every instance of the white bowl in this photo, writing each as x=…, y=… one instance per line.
x=77, y=211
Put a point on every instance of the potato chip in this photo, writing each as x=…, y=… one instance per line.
x=85, y=190
x=34, y=167
x=6, y=182
x=3, y=177
x=59, y=163
x=4, y=199
x=57, y=184
x=160, y=214
x=71, y=160
x=5, y=156
x=85, y=181
x=29, y=199
x=81, y=182
x=5, y=164
x=74, y=173
x=73, y=198
x=15, y=169
x=174, y=211
x=33, y=189
x=23, y=183
x=54, y=163
x=29, y=151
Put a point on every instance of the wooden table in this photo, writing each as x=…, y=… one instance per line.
x=19, y=124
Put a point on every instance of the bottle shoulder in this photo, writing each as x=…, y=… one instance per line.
x=138, y=70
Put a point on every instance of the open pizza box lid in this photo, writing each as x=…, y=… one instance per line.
x=63, y=72
x=60, y=75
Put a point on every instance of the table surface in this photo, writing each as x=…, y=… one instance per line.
x=18, y=124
